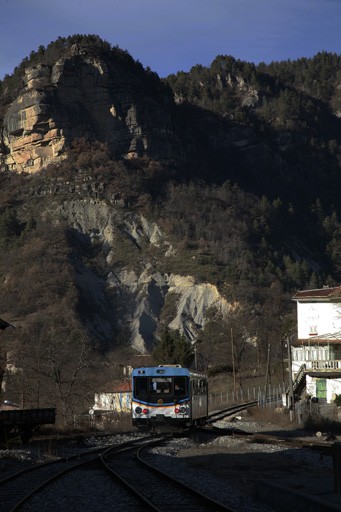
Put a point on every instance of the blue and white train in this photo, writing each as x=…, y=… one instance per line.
x=168, y=398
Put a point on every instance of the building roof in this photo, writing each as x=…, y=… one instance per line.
x=322, y=294
x=330, y=337
x=115, y=387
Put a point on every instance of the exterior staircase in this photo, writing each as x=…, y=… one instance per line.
x=300, y=382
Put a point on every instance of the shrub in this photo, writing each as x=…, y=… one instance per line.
x=337, y=400
x=214, y=370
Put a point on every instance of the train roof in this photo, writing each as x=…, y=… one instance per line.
x=170, y=371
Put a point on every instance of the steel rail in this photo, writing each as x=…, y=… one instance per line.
x=217, y=415
x=157, y=489
x=9, y=486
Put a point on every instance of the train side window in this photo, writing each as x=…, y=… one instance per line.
x=180, y=386
x=202, y=386
x=141, y=386
x=195, y=388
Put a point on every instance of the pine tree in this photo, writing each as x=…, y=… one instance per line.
x=173, y=348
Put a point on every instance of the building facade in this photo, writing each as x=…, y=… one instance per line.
x=316, y=355
x=107, y=403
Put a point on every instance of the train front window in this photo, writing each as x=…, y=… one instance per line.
x=180, y=386
x=140, y=387
x=160, y=386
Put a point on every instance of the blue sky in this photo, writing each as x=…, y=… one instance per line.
x=174, y=35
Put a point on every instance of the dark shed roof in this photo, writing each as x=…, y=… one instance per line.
x=321, y=294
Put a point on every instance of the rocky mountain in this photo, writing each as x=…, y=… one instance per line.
x=161, y=165
x=85, y=94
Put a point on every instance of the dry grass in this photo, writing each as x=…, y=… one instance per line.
x=274, y=416
x=224, y=382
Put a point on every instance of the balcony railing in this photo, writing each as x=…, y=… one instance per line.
x=324, y=365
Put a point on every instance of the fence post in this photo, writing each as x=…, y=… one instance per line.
x=299, y=415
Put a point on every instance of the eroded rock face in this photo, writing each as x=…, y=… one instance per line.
x=141, y=291
x=85, y=96
x=148, y=293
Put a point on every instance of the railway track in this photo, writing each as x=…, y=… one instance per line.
x=293, y=442
x=228, y=411
x=137, y=484
x=158, y=490
x=19, y=488
x=148, y=488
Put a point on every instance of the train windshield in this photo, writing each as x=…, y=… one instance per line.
x=141, y=386
x=160, y=385
x=180, y=386
x=154, y=387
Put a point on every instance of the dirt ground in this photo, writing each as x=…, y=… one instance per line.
x=243, y=462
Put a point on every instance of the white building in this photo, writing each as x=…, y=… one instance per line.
x=316, y=355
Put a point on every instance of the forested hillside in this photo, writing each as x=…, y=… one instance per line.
x=249, y=205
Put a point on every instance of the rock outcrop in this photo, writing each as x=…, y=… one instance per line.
x=89, y=94
x=85, y=95
x=149, y=292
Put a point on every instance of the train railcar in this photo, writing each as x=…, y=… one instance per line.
x=168, y=398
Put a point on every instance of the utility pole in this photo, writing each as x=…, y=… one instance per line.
x=267, y=372
x=233, y=366
x=291, y=403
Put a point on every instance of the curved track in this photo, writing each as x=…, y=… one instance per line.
x=159, y=491
x=148, y=488
x=18, y=488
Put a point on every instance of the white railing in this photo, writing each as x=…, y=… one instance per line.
x=324, y=365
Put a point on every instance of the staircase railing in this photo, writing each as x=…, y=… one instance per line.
x=299, y=382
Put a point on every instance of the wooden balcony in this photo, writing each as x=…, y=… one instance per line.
x=331, y=365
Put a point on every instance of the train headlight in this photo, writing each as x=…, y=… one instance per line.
x=138, y=410
x=180, y=410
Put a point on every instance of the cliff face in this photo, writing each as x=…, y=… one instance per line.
x=91, y=95
x=133, y=295
x=84, y=95
x=140, y=290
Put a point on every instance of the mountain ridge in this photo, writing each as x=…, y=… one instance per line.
x=192, y=206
